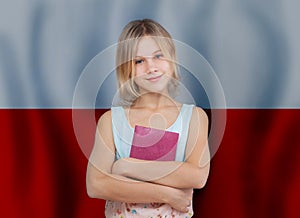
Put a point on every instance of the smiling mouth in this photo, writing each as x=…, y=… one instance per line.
x=154, y=78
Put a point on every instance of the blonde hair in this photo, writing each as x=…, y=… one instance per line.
x=127, y=49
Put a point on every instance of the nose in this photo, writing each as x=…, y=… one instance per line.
x=151, y=65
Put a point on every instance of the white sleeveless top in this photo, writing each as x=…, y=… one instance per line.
x=123, y=135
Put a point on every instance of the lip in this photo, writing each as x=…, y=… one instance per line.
x=154, y=78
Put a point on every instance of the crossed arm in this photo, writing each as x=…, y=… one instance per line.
x=168, y=173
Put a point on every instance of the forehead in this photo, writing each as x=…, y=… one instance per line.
x=147, y=46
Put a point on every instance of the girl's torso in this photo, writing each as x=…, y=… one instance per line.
x=123, y=130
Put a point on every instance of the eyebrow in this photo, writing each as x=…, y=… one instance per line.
x=139, y=56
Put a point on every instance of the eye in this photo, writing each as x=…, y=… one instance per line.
x=158, y=56
x=139, y=61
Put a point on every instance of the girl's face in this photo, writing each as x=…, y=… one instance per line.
x=152, y=70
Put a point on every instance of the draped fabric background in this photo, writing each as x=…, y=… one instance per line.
x=253, y=47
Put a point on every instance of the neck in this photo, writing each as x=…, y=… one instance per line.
x=154, y=101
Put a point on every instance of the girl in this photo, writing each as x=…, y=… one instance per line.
x=147, y=76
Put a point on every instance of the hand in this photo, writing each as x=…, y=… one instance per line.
x=180, y=199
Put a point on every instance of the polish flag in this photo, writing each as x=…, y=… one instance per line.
x=253, y=49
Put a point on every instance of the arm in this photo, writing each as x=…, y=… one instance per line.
x=190, y=174
x=102, y=183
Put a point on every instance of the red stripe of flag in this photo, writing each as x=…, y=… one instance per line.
x=255, y=172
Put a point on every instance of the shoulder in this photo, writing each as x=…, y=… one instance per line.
x=199, y=117
x=104, y=121
x=104, y=127
x=198, y=111
x=105, y=117
x=198, y=134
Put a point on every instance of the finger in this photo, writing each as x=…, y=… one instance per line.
x=185, y=209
